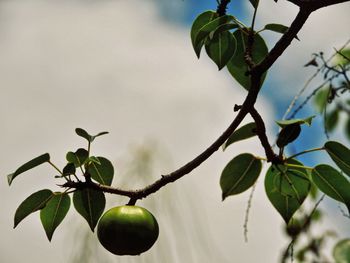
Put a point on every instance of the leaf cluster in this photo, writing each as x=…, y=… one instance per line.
x=54, y=206
x=226, y=40
x=289, y=183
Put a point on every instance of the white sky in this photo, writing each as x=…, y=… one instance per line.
x=115, y=66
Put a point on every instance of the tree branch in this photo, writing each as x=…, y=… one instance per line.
x=316, y=4
x=171, y=177
x=187, y=168
x=221, y=10
x=306, y=8
x=247, y=107
x=261, y=132
x=284, y=41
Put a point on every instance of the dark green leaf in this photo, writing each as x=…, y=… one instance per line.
x=222, y=28
x=332, y=120
x=339, y=154
x=54, y=212
x=90, y=204
x=284, y=123
x=254, y=3
x=78, y=158
x=288, y=134
x=332, y=183
x=198, y=23
x=239, y=174
x=69, y=169
x=34, y=202
x=245, y=132
x=99, y=134
x=286, y=189
x=102, y=173
x=83, y=133
x=278, y=28
x=237, y=65
x=221, y=48
x=29, y=165
x=211, y=27
x=87, y=136
x=341, y=251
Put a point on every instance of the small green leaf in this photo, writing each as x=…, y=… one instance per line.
x=69, y=169
x=198, y=23
x=102, y=173
x=320, y=99
x=332, y=120
x=245, y=132
x=278, y=28
x=86, y=135
x=207, y=29
x=288, y=134
x=286, y=189
x=29, y=165
x=78, y=158
x=90, y=204
x=339, y=154
x=254, y=3
x=284, y=123
x=332, y=183
x=31, y=204
x=99, y=134
x=237, y=65
x=83, y=133
x=239, y=174
x=54, y=212
x=341, y=251
x=221, y=48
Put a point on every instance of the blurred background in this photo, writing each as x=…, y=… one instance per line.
x=127, y=67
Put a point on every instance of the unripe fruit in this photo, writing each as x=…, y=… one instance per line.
x=127, y=230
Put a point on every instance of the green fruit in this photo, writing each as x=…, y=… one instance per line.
x=341, y=251
x=127, y=230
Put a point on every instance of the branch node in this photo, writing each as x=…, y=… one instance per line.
x=237, y=107
x=221, y=10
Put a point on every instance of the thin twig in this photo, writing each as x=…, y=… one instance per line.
x=261, y=132
x=246, y=219
x=307, y=83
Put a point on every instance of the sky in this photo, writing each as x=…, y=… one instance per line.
x=128, y=67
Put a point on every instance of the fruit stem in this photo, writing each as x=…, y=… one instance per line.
x=132, y=201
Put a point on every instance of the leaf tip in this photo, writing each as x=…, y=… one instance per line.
x=223, y=197
x=9, y=179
